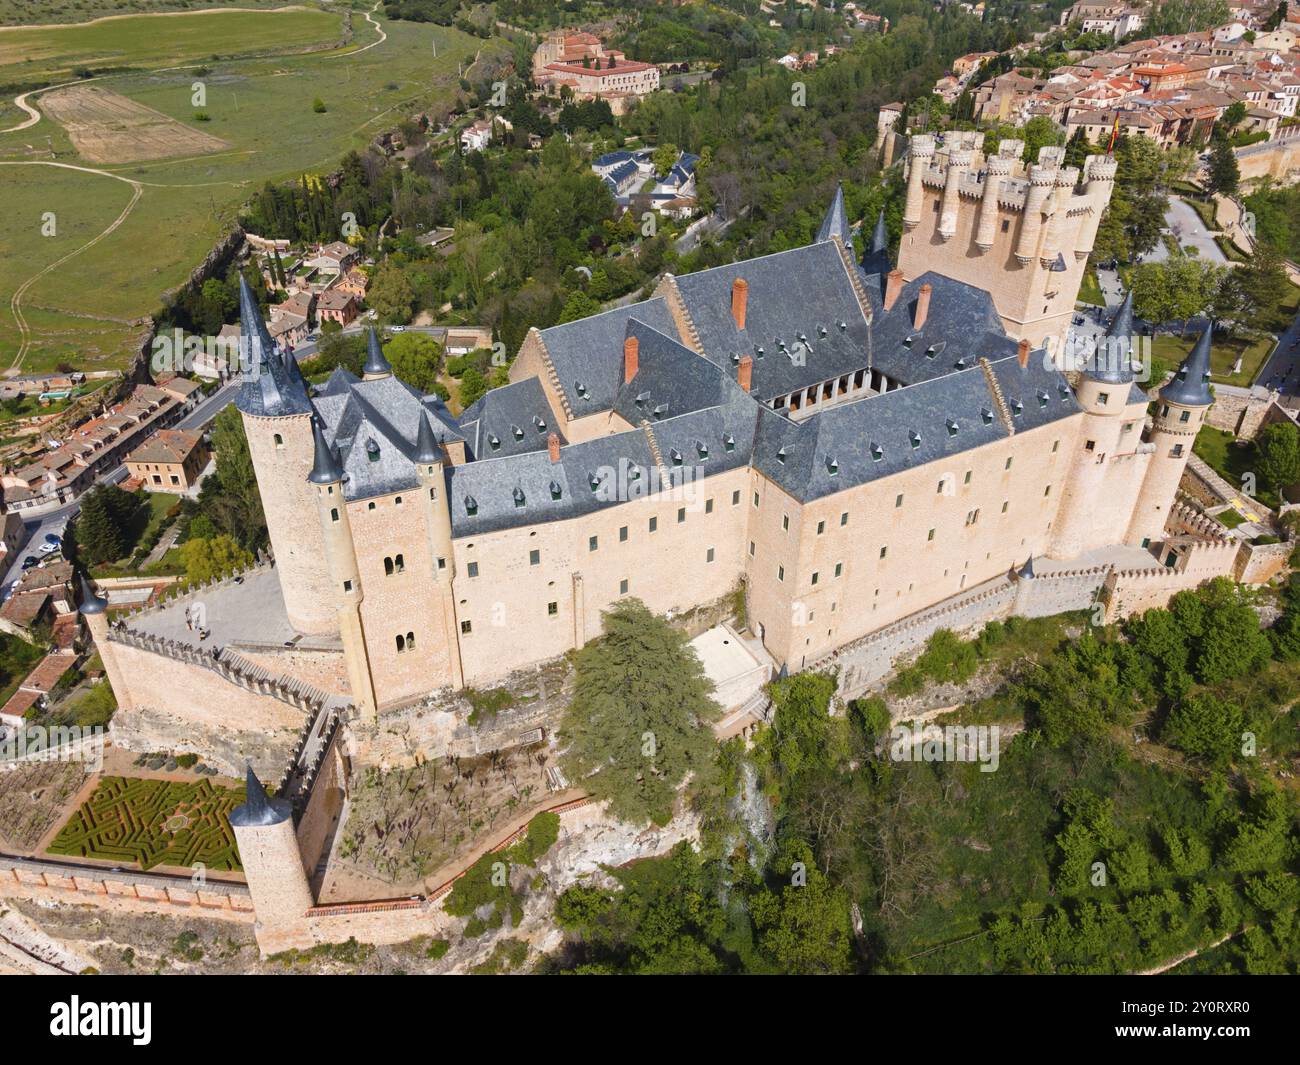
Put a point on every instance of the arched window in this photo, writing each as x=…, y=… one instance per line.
x=410, y=641
x=398, y=564
x=279, y=440
x=401, y=644
x=388, y=567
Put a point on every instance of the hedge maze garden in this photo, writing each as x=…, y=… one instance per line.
x=142, y=822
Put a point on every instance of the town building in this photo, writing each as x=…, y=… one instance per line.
x=169, y=461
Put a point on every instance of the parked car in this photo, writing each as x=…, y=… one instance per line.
x=48, y=549
x=29, y=562
x=53, y=538
x=397, y=329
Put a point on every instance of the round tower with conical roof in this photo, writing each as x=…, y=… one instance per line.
x=376, y=365
x=1097, y=504
x=94, y=610
x=431, y=468
x=277, y=412
x=340, y=562
x=1180, y=412
x=268, y=851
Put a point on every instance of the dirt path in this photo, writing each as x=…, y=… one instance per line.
x=1175, y=962
x=382, y=36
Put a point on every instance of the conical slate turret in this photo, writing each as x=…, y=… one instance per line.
x=91, y=601
x=836, y=222
x=1113, y=362
x=1190, y=386
x=270, y=389
x=376, y=364
x=258, y=809
x=876, y=260
x=325, y=467
x=426, y=447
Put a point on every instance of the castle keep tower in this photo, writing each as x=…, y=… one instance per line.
x=268, y=851
x=1180, y=411
x=341, y=561
x=277, y=421
x=1022, y=233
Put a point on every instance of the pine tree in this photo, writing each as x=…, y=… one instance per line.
x=640, y=719
x=100, y=531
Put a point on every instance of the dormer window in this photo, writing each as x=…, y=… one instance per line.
x=642, y=398
x=877, y=452
x=843, y=326
x=1063, y=391
x=518, y=494
x=517, y=432
x=729, y=443
x=914, y=438
x=471, y=505
x=1042, y=398
x=986, y=416
x=952, y=427
x=758, y=352
x=594, y=481
x=702, y=449
x=960, y=364
x=372, y=450
x=832, y=467
x=494, y=441
x=581, y=389
x=935, y=349
x=538, y=424
x=633, y=473
x=556, y=490
x=822, y=330
x=1017, y=408
x=660, y=410
x=676, y=456
x=780, y=454
x=910, y=339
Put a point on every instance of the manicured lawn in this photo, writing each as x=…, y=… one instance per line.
x=1089, y=289
x=1230, y=518
x=1223, y=355
x=1230, y=460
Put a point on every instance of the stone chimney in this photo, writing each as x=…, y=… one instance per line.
x=893, y=288
x=1022, y=353
x=553, y=439
x=630, y=358
x=922, y=306
x=745, y=372
x=739, y=301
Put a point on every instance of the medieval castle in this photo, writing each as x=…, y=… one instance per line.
x=839, y=454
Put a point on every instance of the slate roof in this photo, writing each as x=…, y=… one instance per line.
x=1113, y=361
x=694, y=410
x=960, y=326
x=802, y=298
x=836, y=222
x=588, y=354
x=1190, y=386
x=375, y=426
x=273, y=385
x=509, y=420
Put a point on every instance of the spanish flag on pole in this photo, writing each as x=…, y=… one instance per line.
x=1114, y=135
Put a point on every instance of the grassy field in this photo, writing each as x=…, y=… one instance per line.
x=1223, y=355
x=35, y=54
x=48, y=12
x=87, y=309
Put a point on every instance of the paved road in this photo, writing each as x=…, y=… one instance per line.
x=1188, y=229
x=55, y=521
x=1111, y=287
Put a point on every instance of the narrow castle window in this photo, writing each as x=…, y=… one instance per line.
x=472, y=569
x=410, y=641
x=334, y=513
x=401, y=644
x=534, y=557
x=398, y=564
x=709, y=556
x=552, y=609
x=622, y=586
x=466, y=628
x=279, y=441
x=388, y=567
x=622, y=534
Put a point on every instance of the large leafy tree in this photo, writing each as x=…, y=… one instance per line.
x=1277, y=455
x=639, y=723
x=415, y=358
x=229, y=498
